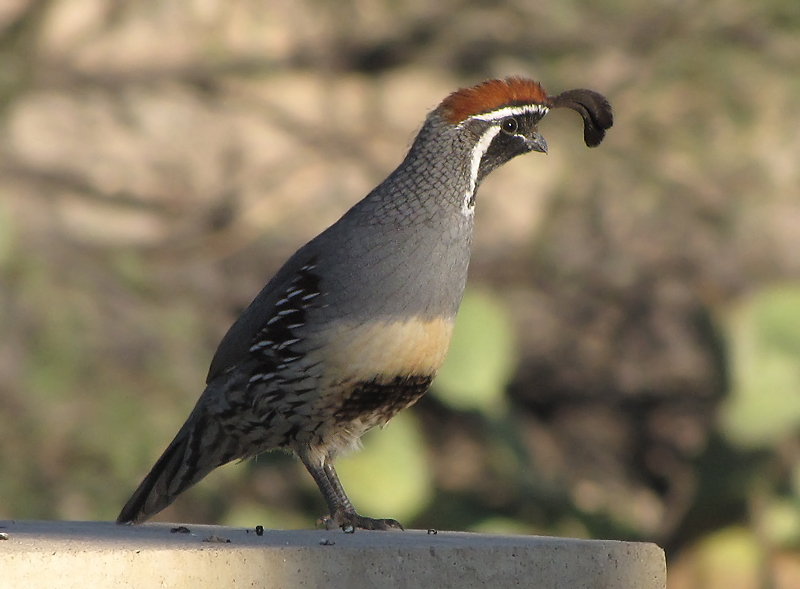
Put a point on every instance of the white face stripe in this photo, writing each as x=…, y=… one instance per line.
x=510, y=111
x=486, y=139
x=475, y=163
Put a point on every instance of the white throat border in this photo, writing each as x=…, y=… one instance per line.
x=468, y=206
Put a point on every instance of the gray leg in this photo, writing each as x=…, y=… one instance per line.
x=342, y=513
x=348, y=515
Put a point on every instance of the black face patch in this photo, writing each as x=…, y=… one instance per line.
x=508, y=144
x=383, y=399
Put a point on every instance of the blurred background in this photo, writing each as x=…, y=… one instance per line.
x=626, y=363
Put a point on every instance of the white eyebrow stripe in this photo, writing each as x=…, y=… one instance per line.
x=510, y=111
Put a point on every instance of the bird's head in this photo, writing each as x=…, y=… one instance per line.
x=502, y=119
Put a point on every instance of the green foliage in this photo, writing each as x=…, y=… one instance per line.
x=781, y=522
x=731, y=557
x=763, y=336
x=390, y=474
x=502, y=525
x=482, y=356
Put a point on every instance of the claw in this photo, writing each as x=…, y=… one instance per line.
x=350, y=522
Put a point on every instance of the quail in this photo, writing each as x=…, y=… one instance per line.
x=355, y=325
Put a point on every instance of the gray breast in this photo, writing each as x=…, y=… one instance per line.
x=374, y=272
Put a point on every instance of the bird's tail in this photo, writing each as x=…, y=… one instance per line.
x=200, y=446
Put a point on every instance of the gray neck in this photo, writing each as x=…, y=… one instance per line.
x=430, y=184
x=405, y=247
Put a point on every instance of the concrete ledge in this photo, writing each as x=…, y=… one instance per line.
x=102, y=554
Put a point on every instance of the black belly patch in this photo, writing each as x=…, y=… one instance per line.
x=383, y=399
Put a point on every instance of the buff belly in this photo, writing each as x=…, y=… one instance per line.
x=388, y=367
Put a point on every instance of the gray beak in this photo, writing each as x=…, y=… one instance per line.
x=536, y=142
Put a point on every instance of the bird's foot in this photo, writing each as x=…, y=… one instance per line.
x=351, y=521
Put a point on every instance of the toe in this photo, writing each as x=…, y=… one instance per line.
x=352, y=521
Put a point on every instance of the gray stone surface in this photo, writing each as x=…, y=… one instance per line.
x=102, y=554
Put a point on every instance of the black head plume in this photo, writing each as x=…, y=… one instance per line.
x=593, y=107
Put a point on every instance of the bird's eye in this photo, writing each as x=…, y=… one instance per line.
x=509, y=125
